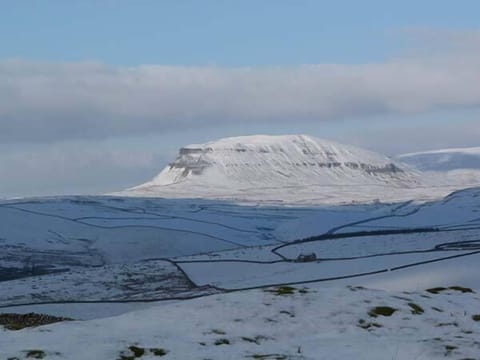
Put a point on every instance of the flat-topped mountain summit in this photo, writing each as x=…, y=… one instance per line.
x=277, y=161
x=276, y=168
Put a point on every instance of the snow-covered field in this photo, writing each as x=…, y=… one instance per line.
x=193, y=276
x=287, y=323
x=131, y=249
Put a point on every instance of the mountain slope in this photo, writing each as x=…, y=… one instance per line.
x=280, y=168
x=444, y=159
x=278, y=161
x=455, y=166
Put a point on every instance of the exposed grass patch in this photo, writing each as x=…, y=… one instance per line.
x=256, y=340
x=282, y=290
x=36, y=354
x=437, y=290
x=367, y=325
x=12, y=321
x=249, y=339
x=136, y=352
x=447, y=324
x=437, y=309
x=461, y=289
x=416, y=309
x=476, y=317
x=355, y=288
x=267, y=356
x=270, y=320
x=449, y=349
x=285, y=312
x=222, y=341
x=381, y=311
x=14, y=326
x=126, y=357
x=218, y=332
x=158, y=351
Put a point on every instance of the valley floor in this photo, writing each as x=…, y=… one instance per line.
x=107, y=261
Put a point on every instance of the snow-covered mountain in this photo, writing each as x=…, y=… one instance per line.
x=278, y=161
x=276, y=167
x=444, y=159
x=459, y=165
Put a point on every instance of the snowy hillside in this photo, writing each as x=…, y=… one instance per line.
x=286, y=323
x=453, y=166
x=278, y=161
x=292, y=168
x=124, y=249
x=192, y=279
x=444, y=160
x=170, y=276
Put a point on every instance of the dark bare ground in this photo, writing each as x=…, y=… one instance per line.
x=13, y=321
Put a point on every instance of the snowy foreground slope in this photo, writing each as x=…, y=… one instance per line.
x=277, y=323
x=292, y=169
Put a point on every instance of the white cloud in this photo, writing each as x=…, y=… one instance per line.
x=54, y=117
x=51, y=102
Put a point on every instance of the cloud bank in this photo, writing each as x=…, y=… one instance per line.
x=74, y=167
x=47, y=102
x=92, y=128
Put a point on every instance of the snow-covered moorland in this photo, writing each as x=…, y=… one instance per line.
x=403, y=248
x=132, y=249
x=230, y=259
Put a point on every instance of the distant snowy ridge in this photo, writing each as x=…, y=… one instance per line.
x=454, y=166
x=263, y=167
x=444, y=159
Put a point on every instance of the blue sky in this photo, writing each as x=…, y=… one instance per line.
x=225, y=33
x=102, y=93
